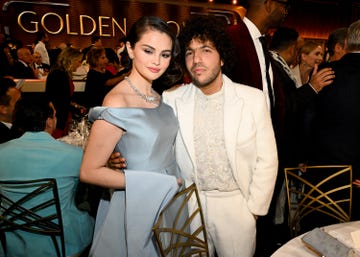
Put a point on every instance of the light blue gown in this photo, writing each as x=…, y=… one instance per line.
x=123, y=224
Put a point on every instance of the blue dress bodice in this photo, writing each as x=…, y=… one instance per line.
x=123, y=223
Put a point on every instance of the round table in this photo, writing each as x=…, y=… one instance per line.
x=341, y=231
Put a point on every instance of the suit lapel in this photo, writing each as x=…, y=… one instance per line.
x=185, y=112
x=233, y=107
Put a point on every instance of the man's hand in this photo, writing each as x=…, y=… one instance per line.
x=356, y=182
x=321, y=78
x=116, y=162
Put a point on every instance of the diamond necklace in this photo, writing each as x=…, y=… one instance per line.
x=154, y=99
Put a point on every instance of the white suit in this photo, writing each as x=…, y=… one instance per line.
x=250, y=147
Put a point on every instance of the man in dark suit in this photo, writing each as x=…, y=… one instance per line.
x=336, y=127
x=9, y=95
x=23, y=67
x=42, y=67
x=291, y=101
x=290, y=104
x=95, y=42
x=250, y=68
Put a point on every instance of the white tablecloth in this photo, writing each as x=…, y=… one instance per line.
x=296, y=248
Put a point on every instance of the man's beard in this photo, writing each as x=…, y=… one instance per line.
x=207, y=81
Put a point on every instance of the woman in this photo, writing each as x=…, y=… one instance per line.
x=135, y=121
x=60, y=88
x=99, y=80
x=310, y=54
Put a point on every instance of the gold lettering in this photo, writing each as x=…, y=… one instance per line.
x=82, y=25
x=61, y=23
x=108, y=26
x=34, y=22
x=101, y=25
x=123, y=30
x=68, y=30
x=177, y=26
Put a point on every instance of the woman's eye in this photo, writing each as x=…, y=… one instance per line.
x=148, y=51
x=166, y=55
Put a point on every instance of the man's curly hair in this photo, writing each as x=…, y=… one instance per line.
x=208, y=28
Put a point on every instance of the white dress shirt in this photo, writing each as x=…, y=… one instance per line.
x=255, y=35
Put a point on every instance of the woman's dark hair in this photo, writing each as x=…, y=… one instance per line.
x=174, y=72
x=208, y=28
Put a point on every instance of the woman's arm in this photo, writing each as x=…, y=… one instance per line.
x=102, y=140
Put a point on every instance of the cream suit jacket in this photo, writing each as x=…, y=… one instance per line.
x=249, y=140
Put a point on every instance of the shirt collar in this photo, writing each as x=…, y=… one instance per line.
x=7, y=124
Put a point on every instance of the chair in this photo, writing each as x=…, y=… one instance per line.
x=173, y=237
x=27, y=211
x=323, y=192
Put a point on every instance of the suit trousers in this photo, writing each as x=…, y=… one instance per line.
x=231, y=227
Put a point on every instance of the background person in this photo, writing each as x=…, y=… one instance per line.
x=99, y=81
x=44, y=157
x=288, y=115
x=24, y=66
x=42, y=40
x=310, y=54
x=335, y=45
x=60, y=88
x=335, y=136
x=39, y=65
x=9, y=95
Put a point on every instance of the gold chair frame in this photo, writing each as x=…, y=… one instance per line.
x=314, y=199
x=182, y=242
x=15, y=214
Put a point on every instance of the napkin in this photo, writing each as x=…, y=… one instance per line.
x=326, y=245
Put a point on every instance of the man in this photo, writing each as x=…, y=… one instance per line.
x=291, y=102
x=336, y=44
x=39, y=65
x=35, y=155
x=335, y=131
x=6, y=58
x=24, y=66
x=250, y=68
x=226, y=143
x=95, y=42
x=42, y=40
x=9, y=95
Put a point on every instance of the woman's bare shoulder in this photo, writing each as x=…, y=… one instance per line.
x=117, y=96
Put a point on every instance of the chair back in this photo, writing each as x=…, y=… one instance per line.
x=325, y=191
x=32, y=206
x=180, y=229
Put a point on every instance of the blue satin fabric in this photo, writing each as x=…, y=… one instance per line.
x=123, y=223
